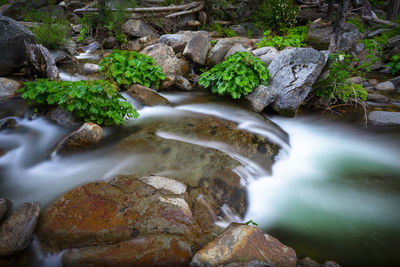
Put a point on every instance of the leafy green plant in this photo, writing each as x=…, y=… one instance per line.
x=251, y=222
x=3, y=2
x=276, y=14
x=238, y=75
x=53, y=32
x=95, y=101
x=337, y=85
x=213, y=42
x=358, y=23
x=294, y=37
x=229, y=32
x=395, y=64
x=130, y=67
x=220, y=30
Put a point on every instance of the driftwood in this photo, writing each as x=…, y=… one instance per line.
x=194, y=10
x=380, y=21
x=40, y=59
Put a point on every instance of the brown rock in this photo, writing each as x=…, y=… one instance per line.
x=84, y=137
x=184, y=66
x=183, y=84
x=107, y=213
x=152, y=250
x=134, y=45
x=147, y=96
x=244, y=243
x=16, y=232
x=5, y=205
x=8, y=87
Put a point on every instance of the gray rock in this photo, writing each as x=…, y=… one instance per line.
x=378, y=98
x=5, y=205
x=218, y=52
x=234, y=49
x=293, y=73
x=90, y=68
x=165, y=57
x=384, y=118
x=134, y=45
x=266, y=54
x=70, y=47
x=137, y=28
x=394, y=41
x=308, y=262
x=246, y=29
x=8, y=87
x=17, y=231
x=63, y=118
x=183, y=84
x=146, y=96
x=359, y=48
x=77, y=28
x=8, y=124
x=109, y=42
x=396, y=81
x=197, y=48
x=179, y=40
x=61, y=57
x=13, y=37
x=385, y=86
x=41, y=61
x=86, y=136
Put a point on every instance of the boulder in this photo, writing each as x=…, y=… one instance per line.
x=13, y=37
x=293, y=73
x=17, y=231
x=370, y=59
x=5, y=205
x=244, y=243
x=183, y=84
x=152, y=250
x=378, y=98
x=41, y=61
x=197, y=48
x=179, y=40
x=146, y=96
x=8, y=88
x=86, y=136
x=385, y=86
x=104, y=213
x=137, y=28
x=234, y=49
x=165, y=57
x=134, y=45
x=90, y=68
x=109, y=42
x=384, y=118
x=218, y=52
x=246, y=29
x=61, y=57
x=62, y=117
x=266, y=54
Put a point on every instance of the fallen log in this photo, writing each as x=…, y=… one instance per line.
x=380, y=21
x=194, y=10
x=144, y=9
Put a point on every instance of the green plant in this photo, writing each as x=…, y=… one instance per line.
x=238, y=75
x=229, y=32
x=221, y=31
x=3, y=2
x=276, y=14
x=130, y=67
x=294, y=37
x=377, y=3
x=395, y=64
x=96, y=101
x=251, y=222
x=53, y=32
x=337, y=85
x=358, y=23
x=213, y=42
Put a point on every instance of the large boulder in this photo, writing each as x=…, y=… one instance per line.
x=384, y=118
x=197, y=48
x=267, y=54
x=165, y=57
x=244, y=243
x=218, y=52
x=179, y=40
x=137, y=28
x=17, y=231
x=293, y=73
x=104, y=213
x=146, y=96
x=8, y=87
x=234, y=49
x=13, y=39
x=5, y=205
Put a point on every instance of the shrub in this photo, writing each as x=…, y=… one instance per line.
x=238, y=75
x=53, y=32
x=395, y=64
x=130, y=67
x=337, y=86
x=220, y=30
x=294, y=37
x=276, y=14
x=95, y=101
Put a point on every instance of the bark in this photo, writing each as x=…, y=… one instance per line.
x=380, y=21
x=194, y=10
x=363, y=7
x=341, y=13
x=393, y=9
x=144, y=9
x=331, y=8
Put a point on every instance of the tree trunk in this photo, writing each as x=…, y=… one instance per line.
x=331, y=9
x=363, y=7
x=102, y=9
x=341, y=13
x=393, y=9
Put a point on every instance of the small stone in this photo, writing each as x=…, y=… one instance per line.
x=109, y=42
x=144, y=40
x=384, y=118
x=134, y=45
x=8, y=87
x=183, y=84
x=90, y=68
x=385, y=86
x=77, y=28
x=5, y=205
x=308, y=262
x=8, y=124
x=146, y=96
x=378, y=98
x=373, y=82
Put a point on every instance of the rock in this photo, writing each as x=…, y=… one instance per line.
x=147, y=96
x=183, y=84
x=356, y=80
x=5, y=205
x=165, y=57
x=61, y=57
x=8, y=88
x=75, y=4
x=70, y=47
x=218, y=52
x=378, y=98
x=248, y=264
x=17, y=231
x=293, y=73
x=197, y=48
x=396, y=81
x=234, y=49
x=178, y=41
x=246, y=29
x=244, y=243
x=144, y=40
x=184, y=67
x=394, y=41
x=109, y=42
x=359, y=48
x=137, y=28
x=370, y=59
x=152, y=250
x=41, y=61
x=62, y=117
x=77, y=28
x=384, y=118
x=183, y=23
x=385, y=86
x=104, y=213
x=92, y=46
x=89, y=68
x=86, y=136
x=134, y=45
x=308, y=262
x=8, y=124
x=13, y=37
x=266, y=54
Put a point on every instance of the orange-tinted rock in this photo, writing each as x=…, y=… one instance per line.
x=152, y=250
x=106, y=213
x=146, y=96
x=244, y=243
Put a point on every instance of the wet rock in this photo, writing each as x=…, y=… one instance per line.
x=137, y=28
x=266, y=54
x=165, y=57
x=249, y=264
x=218, y=52
x=92, y=45
x=234, y=49
x=378, y=98
x=108, y=213
x=244, y=243
x=308, y=262
x=61, y=57
x=5, y=205
x=8, y=88
x=13, y=37
x=197, y=48
x=86, y=136
x=384, y=118
x=62, y=117
x=183, y=84
x=184, y=66
x=109, y=42
x=89, y=68
x=8, y=124
x=152, y=250
x=293, y=73
x=41, y=61
x=134, y=45
x=70, y=47
x=16, y=232
x=385, y=86
x=147, y=96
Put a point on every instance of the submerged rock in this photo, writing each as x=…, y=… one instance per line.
x=62, y=117
x=17, y=231
x=385, y=86
x=147, y=96
x=384, y=118
x=5, y=205
x=183, y=83
x=8, y=87
x=241, y=243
